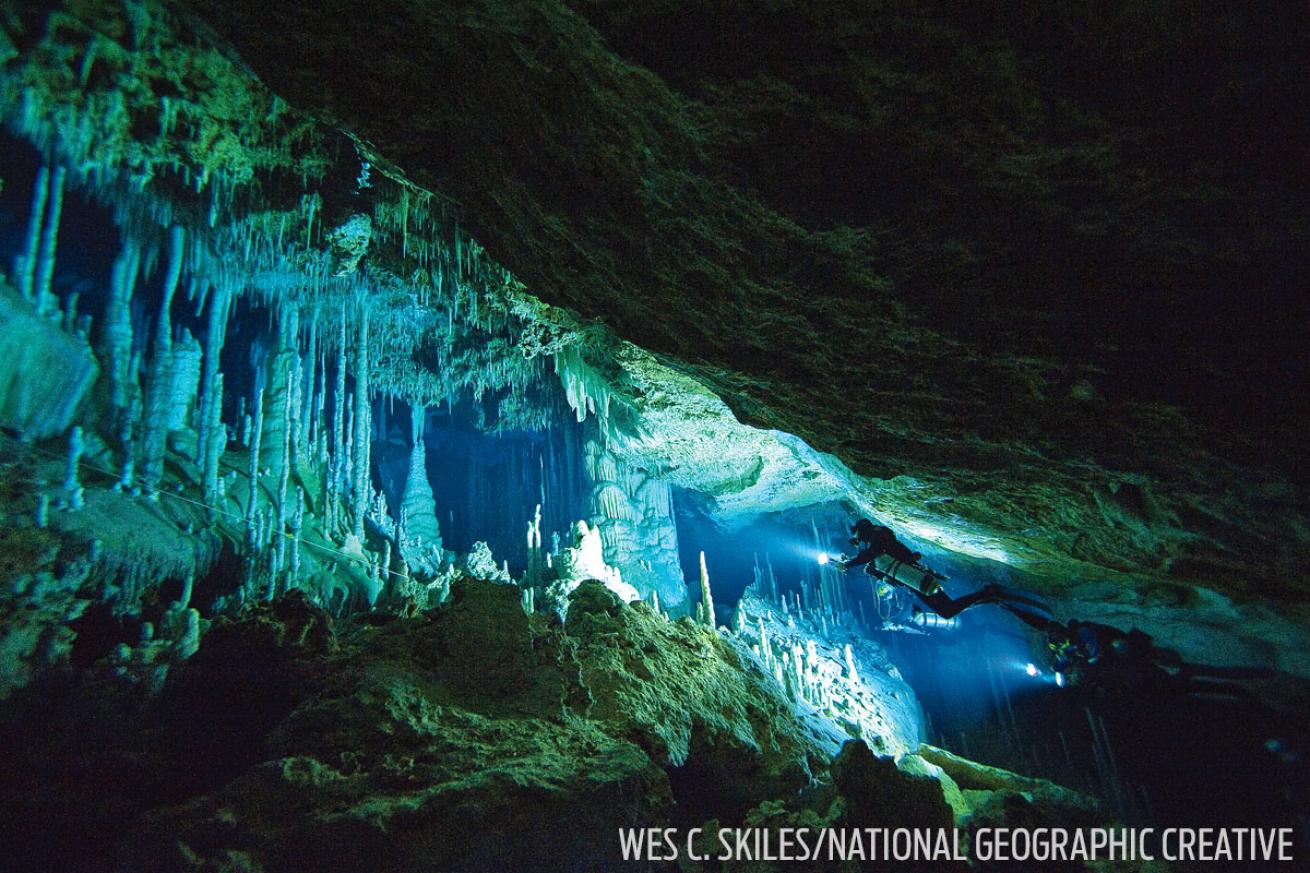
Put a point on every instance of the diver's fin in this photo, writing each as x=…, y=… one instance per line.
x=1016, y=596
x=1037, y=619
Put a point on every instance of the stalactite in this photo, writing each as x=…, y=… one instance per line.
x=159, y=385
x=360, y=491
x=45, y=300
x=25, y=266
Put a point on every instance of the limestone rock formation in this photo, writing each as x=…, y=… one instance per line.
x=460, y=739
x=633, y=511
x=44, y=372
x=421, y=533
x=582, y=561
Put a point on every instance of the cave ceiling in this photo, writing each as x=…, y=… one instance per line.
x=1026, y=281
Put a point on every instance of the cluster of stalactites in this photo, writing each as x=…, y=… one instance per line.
x=163, y=382
x=338, y=337
x=587, y=391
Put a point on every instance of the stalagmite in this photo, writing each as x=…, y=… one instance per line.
x=188, y=585
x=347, y=473
x=127, y=472
x=319, y=444
x=534, y=570
x=634, y=511
x=339, y=411
x=215, y=441
x=361, y=489
x=256, y=432
x=706, y=597
x=72, y=487
x=159, y=385
x=284, y=478
x=421, y=543
x=184, y=377
x=280, y=370
x=25, y=265
x=188, y=641
x=42, y=518
x=305, y=419
x=211, y=377
x=297, y=523
x=45, y=300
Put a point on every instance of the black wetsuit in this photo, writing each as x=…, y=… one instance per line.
x=942, y=604
x=1129, y=660
x=879, y=541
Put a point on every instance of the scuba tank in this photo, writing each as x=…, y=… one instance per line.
x=933, y=621
x=914, y=576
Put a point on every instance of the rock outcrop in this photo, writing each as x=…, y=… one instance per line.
x=473, y=736
x=45, y=372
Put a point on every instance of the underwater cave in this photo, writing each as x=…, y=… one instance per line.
x=553, y=435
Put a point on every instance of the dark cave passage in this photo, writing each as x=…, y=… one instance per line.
x=1158, y=758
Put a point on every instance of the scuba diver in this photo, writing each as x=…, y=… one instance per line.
x=876, y=541
x=1109, y=659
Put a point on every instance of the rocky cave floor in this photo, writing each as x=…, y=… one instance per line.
x=471, y=736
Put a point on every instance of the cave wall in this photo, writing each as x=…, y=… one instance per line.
x=981, y=283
